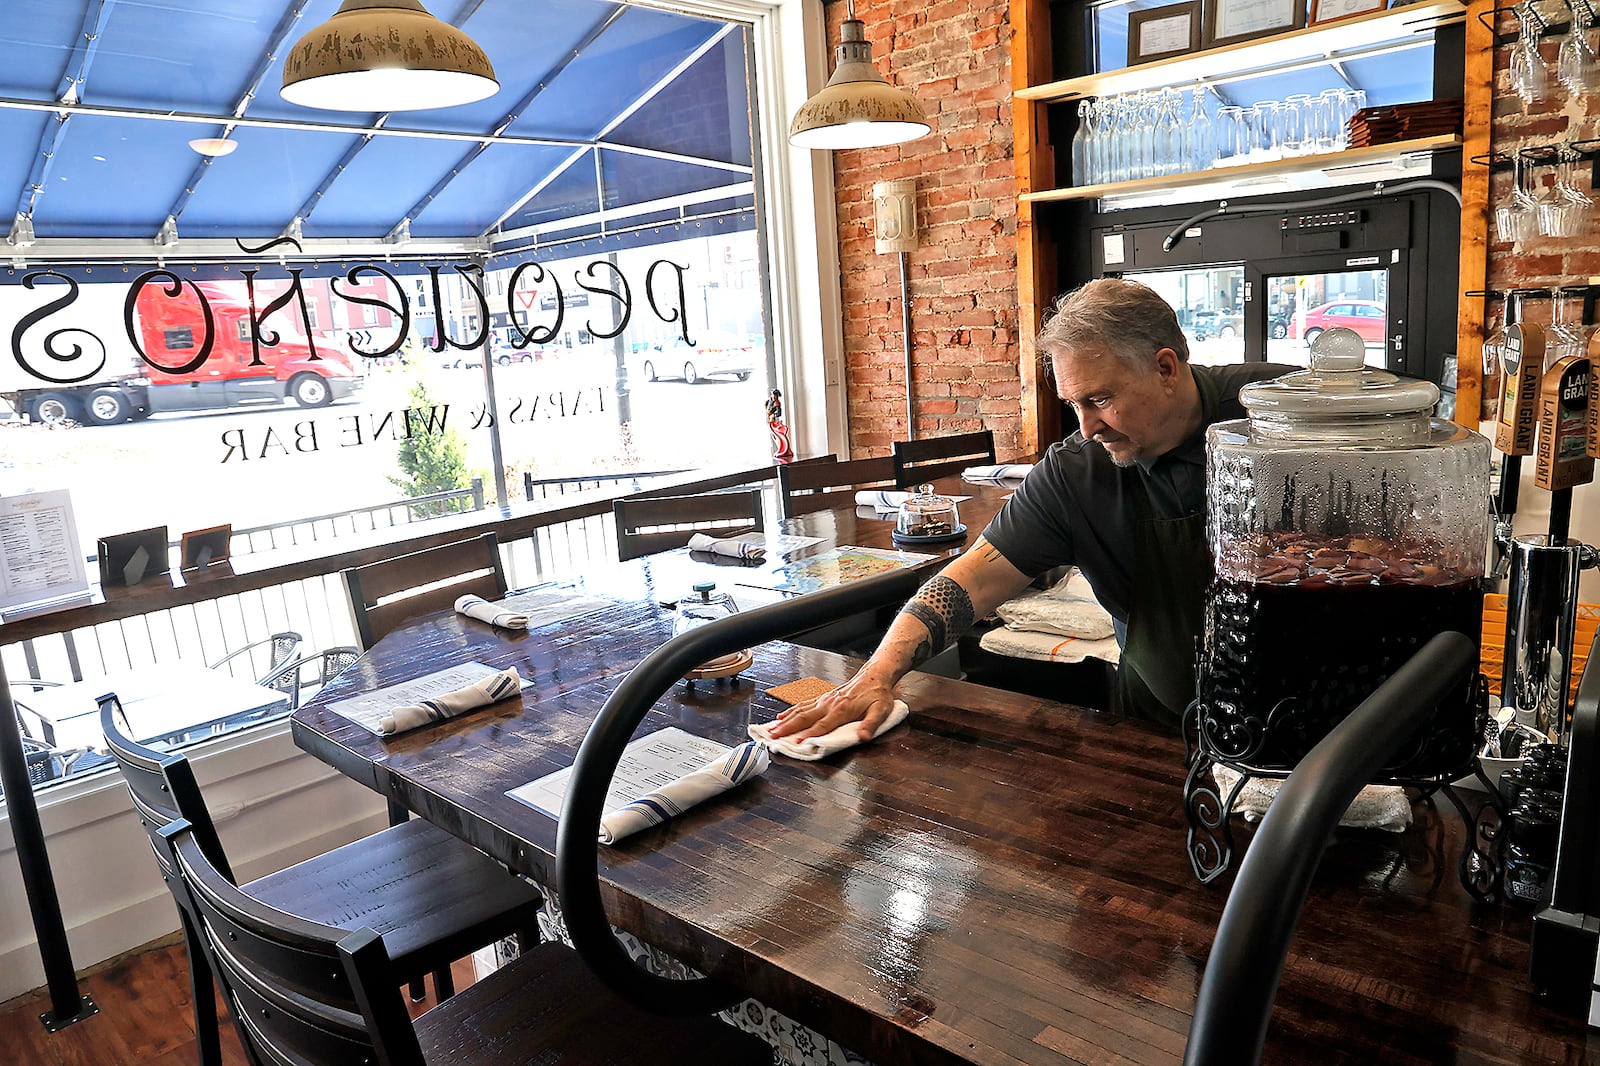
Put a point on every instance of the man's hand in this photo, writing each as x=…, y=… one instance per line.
x=867, y=697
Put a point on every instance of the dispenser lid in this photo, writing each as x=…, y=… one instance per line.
x=1339, y=384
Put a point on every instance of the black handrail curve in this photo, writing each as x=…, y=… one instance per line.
x=577, y=866
x=1241, y=978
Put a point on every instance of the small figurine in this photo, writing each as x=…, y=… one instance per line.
x=782, y=449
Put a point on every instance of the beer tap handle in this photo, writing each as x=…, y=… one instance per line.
x=1502, y=546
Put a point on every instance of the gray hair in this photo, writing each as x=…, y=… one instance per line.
x=1125, y=318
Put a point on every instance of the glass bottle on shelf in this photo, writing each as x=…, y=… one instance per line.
x=1168, y=157
x=1081, y=139
x=1200, y=135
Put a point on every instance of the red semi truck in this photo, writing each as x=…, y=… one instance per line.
x=80, y=360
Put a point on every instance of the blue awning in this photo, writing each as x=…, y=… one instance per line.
x=609, y=117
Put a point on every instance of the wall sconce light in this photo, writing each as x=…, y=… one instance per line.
x=386, y=55
x=214, y=147
x=857, y=108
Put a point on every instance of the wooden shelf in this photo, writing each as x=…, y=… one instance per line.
x=1380, y=162
x=1261, y=55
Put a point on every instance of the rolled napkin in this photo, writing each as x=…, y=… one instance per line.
x=813, y=748
x=484, y=611
x=481, y=693
x=1005, y=471
x=1383, y=807
x=722, y=773
x=731, y=547
x=881, y=500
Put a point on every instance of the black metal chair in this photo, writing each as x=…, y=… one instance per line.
x=315, y=994
x=807, y=487
x=919, y=461
x=386, y=593
x=328, y=662
x=650, y=524
x=433, y=898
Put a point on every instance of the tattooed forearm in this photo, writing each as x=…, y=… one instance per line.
x=944, y=607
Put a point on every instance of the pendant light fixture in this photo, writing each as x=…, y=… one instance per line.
x=857, y=108
x=214, y=147
x=386, y=55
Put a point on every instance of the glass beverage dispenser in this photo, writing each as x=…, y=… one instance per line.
x=1347, y=528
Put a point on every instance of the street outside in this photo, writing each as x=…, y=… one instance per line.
x=267, y=464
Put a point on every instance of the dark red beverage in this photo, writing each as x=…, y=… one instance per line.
x=1281, y=665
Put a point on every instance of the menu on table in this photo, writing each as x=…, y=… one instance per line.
x=647, y=764
x=40, y=560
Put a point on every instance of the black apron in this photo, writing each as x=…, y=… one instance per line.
x=1171, y=569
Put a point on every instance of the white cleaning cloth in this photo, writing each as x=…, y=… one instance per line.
x=1375, y=807
x=814, y=748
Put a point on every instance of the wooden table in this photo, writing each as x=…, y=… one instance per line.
x=1001, y=880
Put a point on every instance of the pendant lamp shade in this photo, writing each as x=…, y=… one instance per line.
x=857, y=108
x=386, y=55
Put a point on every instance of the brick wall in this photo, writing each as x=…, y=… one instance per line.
x=955, y=56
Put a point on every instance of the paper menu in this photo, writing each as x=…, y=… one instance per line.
x=647, y=764
x=40, y=558
x=366, y=709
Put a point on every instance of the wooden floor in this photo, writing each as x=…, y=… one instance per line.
x=145, y=1017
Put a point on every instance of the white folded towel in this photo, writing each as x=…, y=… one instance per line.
x=814, y=748
x=881, y=500
x=1068, y=608
x=491, y=689
x=1005, y=471
x=1385, y=807
x=1048, y=647
x=734, y=768
x=731, y=547
x=484, y=611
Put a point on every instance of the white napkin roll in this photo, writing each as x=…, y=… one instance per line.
x=481, y=693
x=484, y=611
x=813, y=748
x=881, y=500
x=730, y=547
x=1014, y=471
x=714, y=778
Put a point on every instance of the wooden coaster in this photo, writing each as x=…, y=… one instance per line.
x=802, y=689
x=724, y=667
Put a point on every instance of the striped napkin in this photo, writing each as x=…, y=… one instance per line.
x=813, y=748
x=882, y=500
x=714, y=778
x=1003, y=472
x=732, y=548
x=484, y=611
x=481, y=693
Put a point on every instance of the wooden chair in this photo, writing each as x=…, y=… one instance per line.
x=384, y=594
x=919, y=461
x=310, y=993
x=433, y=898
x=650, y=524
x=807, y=487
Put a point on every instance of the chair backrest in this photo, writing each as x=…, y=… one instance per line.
x=649, y=524
x=807, y=487
x=40, y=728
x=385, y=594
x=163, y=789
x=44, y=763
x=917, y=461
x=328, y=663
x=298, y=991
x=284, y=648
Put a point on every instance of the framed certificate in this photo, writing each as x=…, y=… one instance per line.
x=1232, y=21
x=1334, y=10
x=1163, y=32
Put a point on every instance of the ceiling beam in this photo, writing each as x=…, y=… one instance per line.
x=68, y=92
x=65, y=251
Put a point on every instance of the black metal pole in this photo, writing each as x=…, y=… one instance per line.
x=66, y=1005
x=1560, y=516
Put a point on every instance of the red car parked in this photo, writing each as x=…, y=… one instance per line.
x=1367, y=317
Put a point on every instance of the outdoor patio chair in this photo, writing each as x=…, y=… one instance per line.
x=650, y=524
x=387, y=593
x=431, y=897
x=807, y=487
x=919, y=461
x=310, y=992
x=284, y=647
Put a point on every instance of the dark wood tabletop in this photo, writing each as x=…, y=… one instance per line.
x=1000, y=880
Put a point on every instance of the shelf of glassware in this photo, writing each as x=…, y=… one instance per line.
x=1379, y=162
x=1321, y=42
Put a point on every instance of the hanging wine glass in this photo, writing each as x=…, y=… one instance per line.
x=1530, y=77
x=1576, y=64
x=1516, y=218
x=1493, y=352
